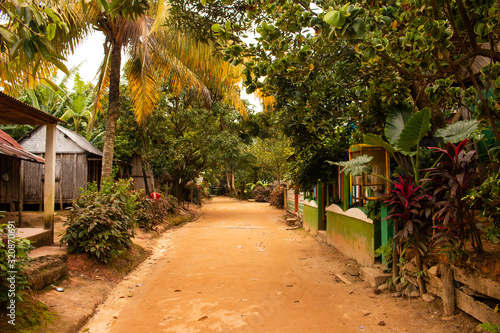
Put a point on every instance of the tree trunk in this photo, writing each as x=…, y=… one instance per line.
x=145, y=176
x=232, y=179
x=114, y=106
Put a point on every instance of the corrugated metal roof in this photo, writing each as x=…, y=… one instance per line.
x=80, y=141
x=7, y=139
x=19, y=153
x=13, y=111
x=9, y=147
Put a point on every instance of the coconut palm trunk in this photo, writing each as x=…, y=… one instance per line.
x=114, y=106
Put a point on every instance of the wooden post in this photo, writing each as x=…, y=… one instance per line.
x=448, y=289
x=21, y=192
x=50, y=179
x=61, y=172
x=395, y=254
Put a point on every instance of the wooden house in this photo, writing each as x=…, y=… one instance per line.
x=77, y=163
x=12, y=158
x=140, y=175
x=13, y=111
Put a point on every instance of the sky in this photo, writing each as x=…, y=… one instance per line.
x=90, y=54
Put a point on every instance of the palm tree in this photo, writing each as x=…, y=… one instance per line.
x=154, y=53
x=34, y=39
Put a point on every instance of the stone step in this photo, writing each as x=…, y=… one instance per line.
x=45, y=270
x=375, y=276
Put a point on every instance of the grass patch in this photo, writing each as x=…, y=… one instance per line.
x=31, y=316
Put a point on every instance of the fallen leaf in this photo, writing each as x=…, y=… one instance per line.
x=177, y=291
x=203, y=318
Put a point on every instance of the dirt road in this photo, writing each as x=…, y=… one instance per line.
x=237, y=269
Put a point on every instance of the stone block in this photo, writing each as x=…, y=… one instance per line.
x=374, y=276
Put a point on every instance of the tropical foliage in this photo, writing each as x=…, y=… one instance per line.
x=101, y=221
x=449, y=185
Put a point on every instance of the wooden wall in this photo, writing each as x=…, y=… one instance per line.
x=9, y=179
x=138, y=176
x=71, y=175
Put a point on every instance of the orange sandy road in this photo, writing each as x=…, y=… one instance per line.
x=237, y=269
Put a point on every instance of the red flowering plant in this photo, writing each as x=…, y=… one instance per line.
x=449, y=183
x=410, y=212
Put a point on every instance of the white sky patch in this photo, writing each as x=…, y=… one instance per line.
x=89, y=54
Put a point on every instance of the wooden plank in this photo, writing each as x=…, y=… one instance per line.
x=343, y=279
x=21, y=192
x=75, y=177
x=476, y=309
x=481, y=285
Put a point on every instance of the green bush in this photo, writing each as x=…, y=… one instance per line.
x=278, y=197
x=488, y=195
x=101, y=222
x=13, y=258
x=150, y=212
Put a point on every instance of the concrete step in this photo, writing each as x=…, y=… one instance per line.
x=37, y=236
x=49, y=250
x=291, y=221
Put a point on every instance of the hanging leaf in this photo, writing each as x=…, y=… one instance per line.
x=458, y=131
x=335, y=18
x=395, y=123
x=415, y=129
x=356, y=166
x=376, y=140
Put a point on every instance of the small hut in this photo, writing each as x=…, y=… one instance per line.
x=12, y=158
x=77, y=163
x=139, y=174
x=13, y=111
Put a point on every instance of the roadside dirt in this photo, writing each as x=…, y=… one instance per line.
x=238, y=269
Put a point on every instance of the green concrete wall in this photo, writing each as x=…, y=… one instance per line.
x=352, y=236
x=290, y=200
x=310, y=217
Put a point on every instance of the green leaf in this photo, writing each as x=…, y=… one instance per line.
x=359, y=26
x=216, y=28
x=376, y=140
x=335, y=18
x=7, y=35
x=497, y=82
x=51, y=31
x=458, y=131
x=394, y=125
x=29, y=49
x=415, y=129
x=356, y=166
